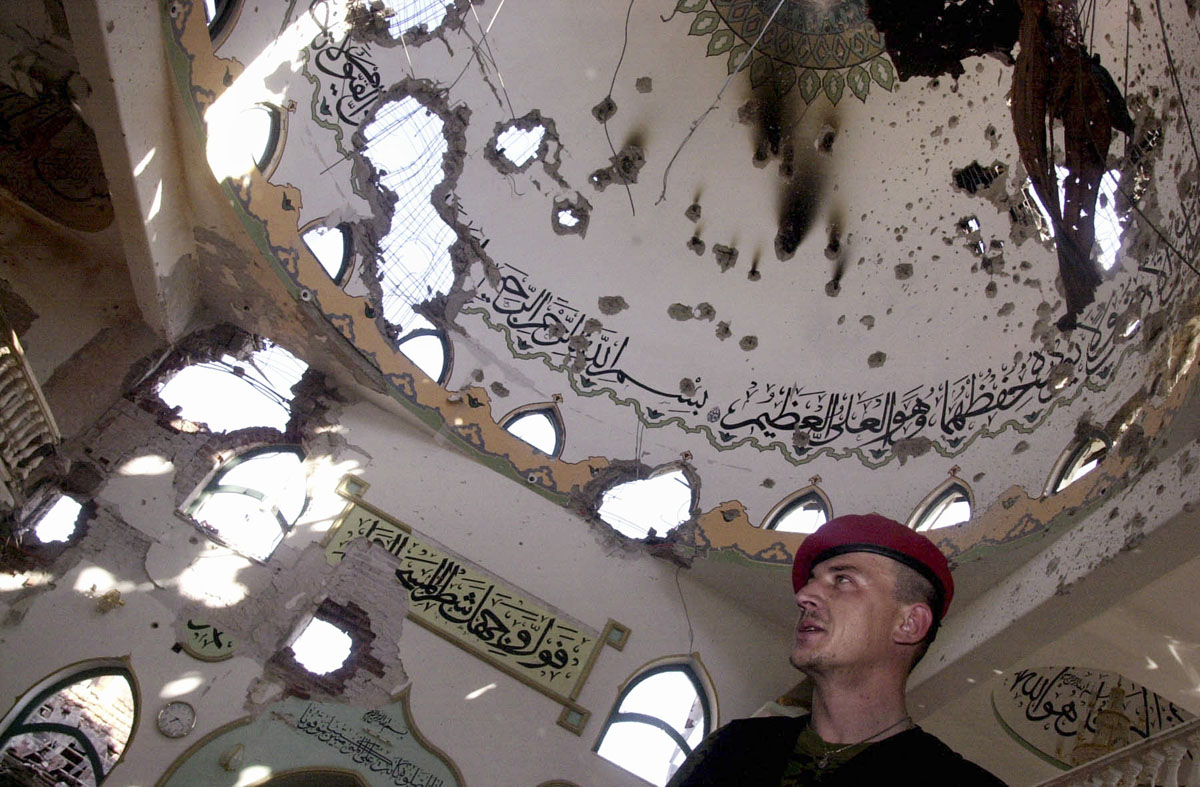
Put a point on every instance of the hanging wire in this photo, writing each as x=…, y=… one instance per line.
x=612, y=86
x=696, y=123
x=686, y=616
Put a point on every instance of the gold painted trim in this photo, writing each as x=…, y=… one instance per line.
x=565, y=722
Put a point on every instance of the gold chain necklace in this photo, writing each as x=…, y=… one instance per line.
x=824, y=761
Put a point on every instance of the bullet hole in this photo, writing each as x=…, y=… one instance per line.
x=571, y=216
x=695, y=244
x=687, y=386
x=876, y=359
x=835, y=242
x=477, y=375
x=754, y=274
x=974, y=177
x=904, y=271
x=723, y=331
x=768, y=483
x=911, y=447
x=1060, y=375
x=992, y=135
x=833, y=288
x=611, y=304
x=801, y=439
x=1006, y=309
x=748, y=343
x=623, y=168
x=644, y=84
x=841, y=320
x=693, y=212
x=953, y=121
x=868, y=321
x=592, y=325
x=499, y=389
x=704, y=311
x=605, y=109
x=975, y=479
x=729, y=514
x=990, y=289
x=825, y=138
x=726, y=256
x=680, y=311
x=1021, y=447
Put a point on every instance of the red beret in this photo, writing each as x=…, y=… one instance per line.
x=883, y=536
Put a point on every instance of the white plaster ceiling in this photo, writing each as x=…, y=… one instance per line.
x=885, y=186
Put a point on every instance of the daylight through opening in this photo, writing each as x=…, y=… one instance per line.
x=659, y=504
x=322, y=647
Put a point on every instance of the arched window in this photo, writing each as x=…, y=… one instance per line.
x=260, y=127
x=949, y=504
x=253, y=500
x=332, y=246
x=659, y=503
x=801, y=512
x=661, y=715
x=430, y=351
x=71, y=729
x=232, y=393
x=220, y=15
x=1078, y=460
x=539, y=425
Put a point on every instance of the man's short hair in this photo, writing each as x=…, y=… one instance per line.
x=912, y=588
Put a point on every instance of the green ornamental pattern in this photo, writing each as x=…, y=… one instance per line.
x=812, y=46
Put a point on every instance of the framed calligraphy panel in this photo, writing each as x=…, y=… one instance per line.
x=1053, y=711
x=488, y=617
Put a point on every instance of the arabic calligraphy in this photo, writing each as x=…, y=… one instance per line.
x=457, y=599
x=365, y=749
x=348, y=79
x=1052, y=707
x=807, y=420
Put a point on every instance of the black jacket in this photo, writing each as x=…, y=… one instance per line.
x=752, y=752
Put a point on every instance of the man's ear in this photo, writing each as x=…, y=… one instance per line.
x=915, y=621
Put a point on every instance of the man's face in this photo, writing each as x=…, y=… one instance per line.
x=848, y=612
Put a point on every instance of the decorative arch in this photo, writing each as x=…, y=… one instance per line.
x=424, y=355
x=803, y=511
x=74, y=721
x=649, y=737
x=221, y=19
x=252, y=500
x=268, y=157
x=943, y=506
x=1080, y=457
x=332, y=246
x=546, y=414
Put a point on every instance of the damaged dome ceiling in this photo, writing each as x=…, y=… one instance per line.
x=804, y=269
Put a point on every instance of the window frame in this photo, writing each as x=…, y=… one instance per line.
x=916, y=520
x=223, y=21
x=346, y=265
x=1074, y=453
x=551, y=411
x=11, y=725
x=795, y=499
x=212, y=485
x=275, y=139
x=447, y=351
x=692, y=667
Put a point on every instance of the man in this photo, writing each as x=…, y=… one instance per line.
x=871, y=594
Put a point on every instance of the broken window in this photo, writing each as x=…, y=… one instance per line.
x=949, y=505
x=1080, y=459
x=58, y=521
x=332, y=246
x=405, y=144
x=801, y=512
x=253, y=500
x=659, y=718
x=321, y=647
x=71, y=732
x=651, y=507
x=404, y=15
x=230, y=394
x=430, y=352
x=1106, y=220
x=519, y=145
x=539, y=425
